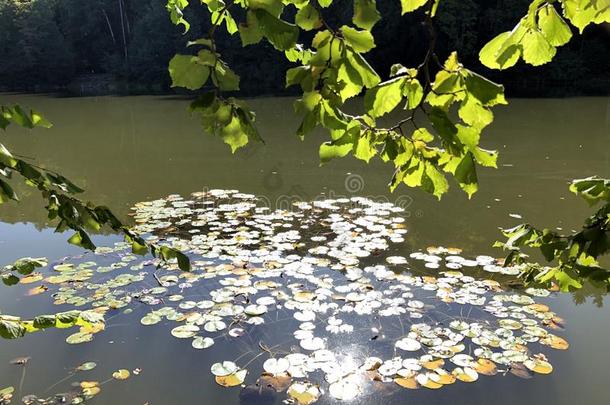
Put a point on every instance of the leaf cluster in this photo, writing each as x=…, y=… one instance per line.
x=425, y=146
x=542, y=30
x=12, y=327
x=574, y=257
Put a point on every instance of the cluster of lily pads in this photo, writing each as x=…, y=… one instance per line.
x=319, y=271
x=314, y=300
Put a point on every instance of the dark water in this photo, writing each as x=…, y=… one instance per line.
x=130, y=149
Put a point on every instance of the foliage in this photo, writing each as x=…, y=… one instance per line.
x=538, y=34
x=24, y=267
x=58, y=192
x=12, y=327
x=428, y=144
x=33, y=39
x=575, y=255
x=334, y=70
x=70, y=42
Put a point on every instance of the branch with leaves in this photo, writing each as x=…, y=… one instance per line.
x=13, y=327
x=542, y=30
x=59, y=194
x=425, y=146
x=575, y=256
x=333, y=70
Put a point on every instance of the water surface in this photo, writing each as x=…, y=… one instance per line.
x=129, y=149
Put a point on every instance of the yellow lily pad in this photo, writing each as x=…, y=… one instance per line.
x=486, y=367
x=539, y=366
x=232, y=380
x=121, y=374
x=304, y=393
x=555, y=342
x=409, y=383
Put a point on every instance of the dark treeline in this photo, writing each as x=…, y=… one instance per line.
x=125, y=45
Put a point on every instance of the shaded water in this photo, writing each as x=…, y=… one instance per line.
x=125, y=150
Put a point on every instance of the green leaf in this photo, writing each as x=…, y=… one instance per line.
x=11, y=329
x=7, y=158
x=66, y=319
x=487, y=158
x=434, y=181
x=250, y=32
x=487, y=92
x=581, y=13
x=446, y=130
x=27, y=265
x=466, y=175
x=554, y=28
x=225, y=17
x=308, y=18
x=233, y=135
x=350, y=79
x=565, y=281
x=411, y=5
x=44, y=321
x=536, y=49
x=469, y=136
x=10, y=279
x=473, y=113
x=281, y=34
x=365, y=14
x=501, y=52
x=360, y=41
x=38, y=120
x=370, y=78
x=364, y=148
x=138, y=248
x=186, y=72
x=414, y=92
x=384, y=98
x=7, y=192
x=168, y=253
x=175, y=7
x=81, y=239
x=225, y=79
x=330, y=150
x=413, y=175
x=592, y=189
x=422, y=134
x=273, y=7
x=22, y=118
x=296, y=75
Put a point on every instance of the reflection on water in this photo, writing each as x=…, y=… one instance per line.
x=125, y=150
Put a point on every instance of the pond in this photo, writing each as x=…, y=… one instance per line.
x=125, y=150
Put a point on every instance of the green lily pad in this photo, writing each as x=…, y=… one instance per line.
x=78, y=338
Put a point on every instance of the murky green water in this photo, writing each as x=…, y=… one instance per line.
x=125, y=150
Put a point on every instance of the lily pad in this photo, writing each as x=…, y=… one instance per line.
x=539, y=366
x=185, y=331
x=150, y=319
x=304, y=393
x=202, y=342
x=232, y=380
x=408, y=344
x=78, y=338
x=276, y=366
x=121, y=374
x=87, y=366
x=224, y=369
